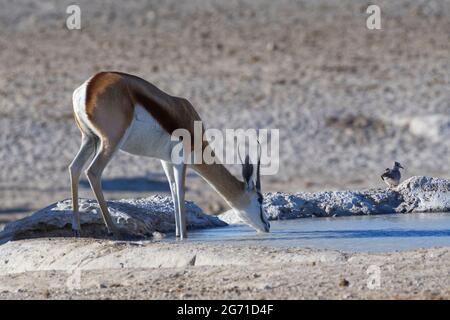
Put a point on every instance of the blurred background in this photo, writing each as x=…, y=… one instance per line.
x=348, y=100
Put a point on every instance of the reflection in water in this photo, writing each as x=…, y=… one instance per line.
x=361, y=233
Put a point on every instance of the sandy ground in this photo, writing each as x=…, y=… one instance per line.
x=343, y=96
x=94, y=269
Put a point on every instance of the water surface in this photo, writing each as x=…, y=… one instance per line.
x=380, y=233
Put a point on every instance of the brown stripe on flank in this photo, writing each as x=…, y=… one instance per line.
x=163, y=115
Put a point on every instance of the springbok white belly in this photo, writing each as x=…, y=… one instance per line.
x=146, y=137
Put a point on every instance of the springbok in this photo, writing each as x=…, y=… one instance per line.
x=115, y=111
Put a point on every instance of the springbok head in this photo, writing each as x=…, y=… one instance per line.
x=253, y=213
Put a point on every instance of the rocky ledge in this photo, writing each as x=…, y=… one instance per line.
x=416, y=194
x=137, y=218
x=149, y=217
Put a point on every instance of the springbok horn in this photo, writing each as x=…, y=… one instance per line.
x=239, y=154
x=258, y=173
x=247, y=170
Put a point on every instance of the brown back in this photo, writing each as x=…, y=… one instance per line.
x=171, y=112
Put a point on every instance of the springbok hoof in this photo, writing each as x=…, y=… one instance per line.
x=182, y=237
x=76, y=233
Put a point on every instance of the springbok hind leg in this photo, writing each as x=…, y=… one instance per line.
x=94, y=174
x=75, y=168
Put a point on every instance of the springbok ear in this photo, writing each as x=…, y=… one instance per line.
x=247, y=172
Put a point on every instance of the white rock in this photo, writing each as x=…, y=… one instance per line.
x=137, y=218
x=425, y=194
x=416, y=194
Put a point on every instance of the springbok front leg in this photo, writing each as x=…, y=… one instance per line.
x=94, y=174
x=169, y=171
x=180, y=183
x=86, y=151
